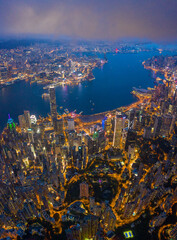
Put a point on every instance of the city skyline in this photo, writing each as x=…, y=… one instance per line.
x=109, y=175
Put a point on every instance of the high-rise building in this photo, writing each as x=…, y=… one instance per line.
x=70, y=124
x=147, y=133
x=168, y=122
x=108, y=125
x=108, y=219
x=92, y=203
x=173, y=232
x=53, y=107
x=59, y=126
x=129, y=208
x=11, y=125
x=131, y=151
x=84, y=190
x=82, y=154
x=157, y=126
x=22, y=122
x=33, y=119
x=118, y=127
x=27, y=119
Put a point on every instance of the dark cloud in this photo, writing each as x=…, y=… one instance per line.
x=93, y=19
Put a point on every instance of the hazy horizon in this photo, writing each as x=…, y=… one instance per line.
x=94, y=20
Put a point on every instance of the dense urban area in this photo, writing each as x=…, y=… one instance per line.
x=70, y=176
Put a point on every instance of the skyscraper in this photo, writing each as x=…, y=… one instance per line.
x=11, y=125
x=53, y=106
x=84, y=190
x=168, y=122
x=22, y=122
x=118, y=130
x=70, y=124
x=27, y=119
x=59, y=126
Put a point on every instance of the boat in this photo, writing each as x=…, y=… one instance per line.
x=46, y=87
x=45, y=95
x=8, y=83
x=39, y=82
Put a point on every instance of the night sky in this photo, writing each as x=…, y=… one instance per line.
x=91, y=19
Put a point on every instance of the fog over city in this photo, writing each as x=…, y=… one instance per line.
x=93, y=19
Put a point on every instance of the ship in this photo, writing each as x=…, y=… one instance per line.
x=45, y=95
x=46, y=87
x=8, y=83
x=158, y=79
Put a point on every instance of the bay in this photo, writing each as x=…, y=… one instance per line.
x=111, y=89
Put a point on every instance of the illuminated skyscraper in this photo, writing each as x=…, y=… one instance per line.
x=22, y=122
x=11, y=125
x=131, y=151
x=108, y=124
x=53, y=106
x=59, y=126
x=119, y=122
x=168, y=122
x=147, y=132
x=33, y=119
x=82, y=152
x=27, y=119
x=70, y=124
x=157, y=126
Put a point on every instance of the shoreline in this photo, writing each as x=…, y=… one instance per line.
x=88, y=78
x=101, y=115
x=156, y=70
x=136, y=103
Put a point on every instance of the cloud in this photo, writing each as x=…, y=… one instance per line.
x=92, y=19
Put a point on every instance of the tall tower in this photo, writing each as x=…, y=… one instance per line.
x=11, y=125
x=118, y=127
x=84, y=190
x=22, y=122
x=27, y=119
x=53, y=106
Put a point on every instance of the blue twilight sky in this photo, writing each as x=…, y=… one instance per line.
x=91, y=19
